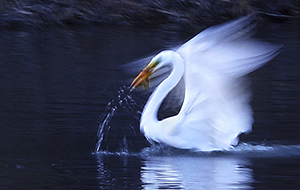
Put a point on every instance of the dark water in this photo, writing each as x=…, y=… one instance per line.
x=61, y=86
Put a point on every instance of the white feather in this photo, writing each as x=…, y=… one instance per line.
x=216, y=108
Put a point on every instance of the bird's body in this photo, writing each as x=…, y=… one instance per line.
x=215, y=109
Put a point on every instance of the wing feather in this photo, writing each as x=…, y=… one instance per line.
x=217, y=97
x=216, y=105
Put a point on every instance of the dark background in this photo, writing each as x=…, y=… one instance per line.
x=61, y=76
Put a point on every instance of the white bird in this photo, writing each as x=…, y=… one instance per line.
x=215, y=109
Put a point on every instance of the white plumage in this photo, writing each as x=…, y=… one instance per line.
x=216, y=109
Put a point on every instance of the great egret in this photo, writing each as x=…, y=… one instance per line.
x=215, y=109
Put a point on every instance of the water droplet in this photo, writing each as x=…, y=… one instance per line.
x=122, y=103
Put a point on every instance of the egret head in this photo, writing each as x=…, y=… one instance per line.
x=143, y=77
x=161, y=60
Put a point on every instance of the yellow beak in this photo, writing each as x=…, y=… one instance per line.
x=142, y=78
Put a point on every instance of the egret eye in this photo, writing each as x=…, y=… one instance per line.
x=154, y=63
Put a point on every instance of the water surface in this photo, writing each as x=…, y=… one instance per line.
x=60, y=85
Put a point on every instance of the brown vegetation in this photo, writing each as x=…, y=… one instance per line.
x=36, y=12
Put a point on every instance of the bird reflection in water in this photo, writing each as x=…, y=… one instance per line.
x=209, y=172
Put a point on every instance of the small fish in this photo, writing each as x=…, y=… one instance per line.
x=146, y=83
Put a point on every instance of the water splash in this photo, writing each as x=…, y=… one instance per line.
x=124, y=148
x=123, y=107
x=266, y=150
x=244, y=150
x=104, y=124
x=118, y=115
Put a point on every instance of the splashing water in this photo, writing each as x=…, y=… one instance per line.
x=244, y=150
x=117, y=135
x=116, y=131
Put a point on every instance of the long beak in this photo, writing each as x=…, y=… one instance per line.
x=142, y=78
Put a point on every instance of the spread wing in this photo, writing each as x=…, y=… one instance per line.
x=216, y=95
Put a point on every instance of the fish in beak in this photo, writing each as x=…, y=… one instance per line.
x=143, y=77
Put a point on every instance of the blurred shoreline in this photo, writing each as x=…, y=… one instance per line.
x=142, y=13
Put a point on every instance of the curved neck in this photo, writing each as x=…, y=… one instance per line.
x=159, y=94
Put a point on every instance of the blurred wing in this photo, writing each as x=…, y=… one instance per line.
x=239, y=28
x=216, y=96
